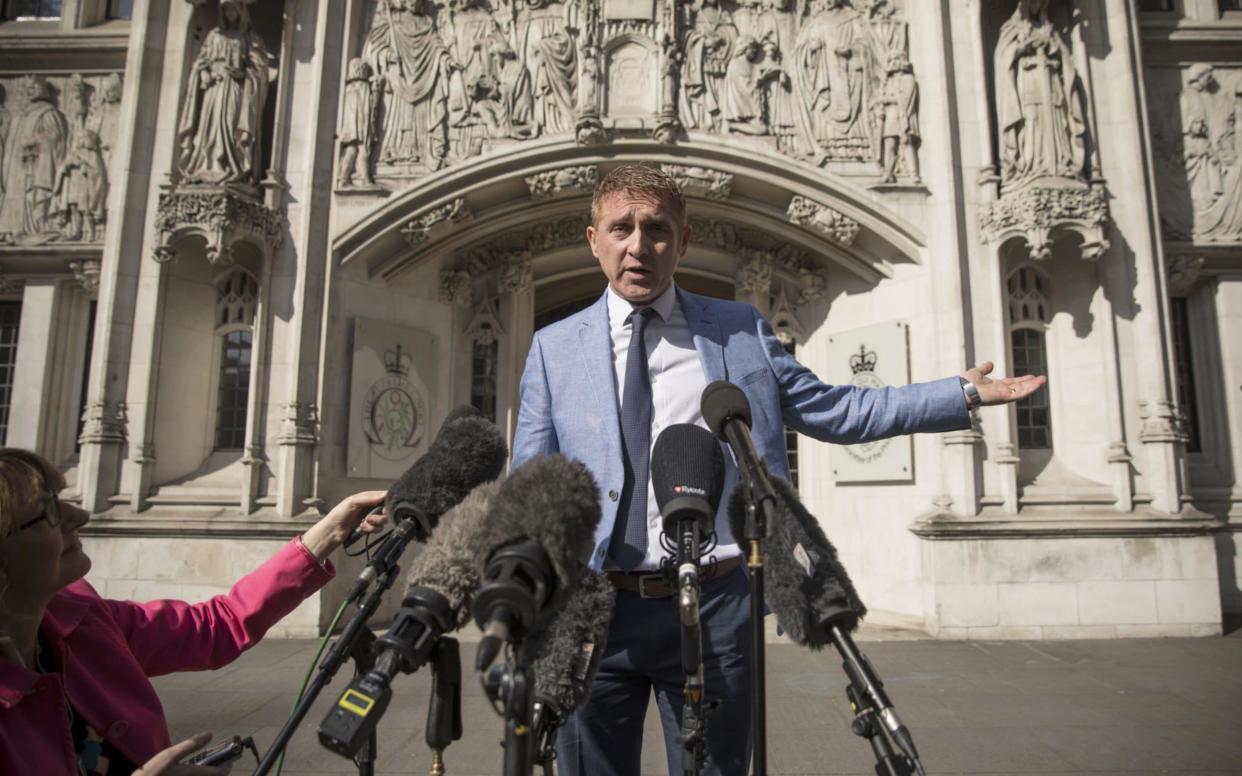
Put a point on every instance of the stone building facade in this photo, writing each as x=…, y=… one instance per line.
x=250, y=252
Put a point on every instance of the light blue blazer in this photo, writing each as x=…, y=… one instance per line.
x=569, y=398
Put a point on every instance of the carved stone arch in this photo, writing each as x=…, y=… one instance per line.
x=828, y=219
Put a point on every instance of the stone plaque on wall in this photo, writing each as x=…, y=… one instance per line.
x=872, y=357
x=391, y=398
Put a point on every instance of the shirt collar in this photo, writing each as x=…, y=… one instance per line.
x=619, y=309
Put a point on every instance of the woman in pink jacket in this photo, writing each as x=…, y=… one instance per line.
x=75, y=697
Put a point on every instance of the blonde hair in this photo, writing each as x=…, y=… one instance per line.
x=23, y=474
x=639, y=179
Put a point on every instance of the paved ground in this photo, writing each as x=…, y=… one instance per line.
x=1167, y=706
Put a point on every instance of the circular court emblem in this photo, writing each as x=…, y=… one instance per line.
x=394, y=411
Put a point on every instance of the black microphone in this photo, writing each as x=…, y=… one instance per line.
x=687, y=474
x=814, y=599
x=441, y=582
x=467, y=452
x=457, y=413
x=539, y=535
x=568, y=652
x=727, y=412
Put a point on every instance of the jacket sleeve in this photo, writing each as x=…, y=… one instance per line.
x=535, y=434
x=167, y=636
x=849, y=414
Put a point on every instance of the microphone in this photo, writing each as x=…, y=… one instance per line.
x=457, y=413
x=568, y=653
x=441, y=582
x=815, y=601
x=727, y=412
x=687, y=474
x=468, y=451
x=539, y=535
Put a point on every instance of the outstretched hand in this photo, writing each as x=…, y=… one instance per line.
x=353, y=512
x=1004, y=389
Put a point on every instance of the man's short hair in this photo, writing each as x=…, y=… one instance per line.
x=639, y=179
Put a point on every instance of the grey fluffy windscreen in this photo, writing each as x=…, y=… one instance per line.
x=449, y=562
x=567, y=654
x=554, y=502
x=467, y=452
x=804, y=582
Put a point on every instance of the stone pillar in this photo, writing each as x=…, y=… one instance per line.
x=517, y=288
x=131, y=197
x=298, y=267
x=1143, y=320
x=39, y=341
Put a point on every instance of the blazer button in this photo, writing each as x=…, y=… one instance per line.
x=613, y=495
x=118, y=729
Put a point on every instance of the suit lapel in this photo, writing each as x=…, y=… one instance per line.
x=705, y=329
x=595, y=348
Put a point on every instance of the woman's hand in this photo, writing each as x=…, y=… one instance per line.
x=336, y=526
x=167, y=762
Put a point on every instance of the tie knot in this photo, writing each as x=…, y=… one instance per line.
x=640, y=318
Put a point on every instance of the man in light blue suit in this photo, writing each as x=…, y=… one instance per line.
x=600, y=385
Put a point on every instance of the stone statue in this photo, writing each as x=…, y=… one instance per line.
x=82, y=189
x=742, y=98
x=1038, y=100
x=220, y=129
x=412, y=66
x=515, y=97
x=5, y=121
x=708, y=49
x=546, y=35
x=75, y=103
x=1212, y=152
x=36, y=145
x=899, y=129
x=106, y=114
x=355, y=130
x=830, y=70
x=775, y=28
x=474, y=32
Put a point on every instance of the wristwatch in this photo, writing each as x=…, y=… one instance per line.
x=973, y=400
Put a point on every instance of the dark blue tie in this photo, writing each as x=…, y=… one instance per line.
x=629, y=533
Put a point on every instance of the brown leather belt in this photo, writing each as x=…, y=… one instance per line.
x=653, y=585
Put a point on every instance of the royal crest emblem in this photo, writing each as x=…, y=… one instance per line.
x=394, y=411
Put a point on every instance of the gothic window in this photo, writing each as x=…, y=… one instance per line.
x=485, y=354
x=10, y=316
x=86, y=374
x=235, y=311
x=1028, y=321
x=1183, y=355
x=33, y=9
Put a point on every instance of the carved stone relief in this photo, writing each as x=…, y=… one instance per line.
x=563, y=182
x=1198, y=152
x=839, y=227
x=700, y=181
x=1183, y=272
x=419, y=228
x=827, y=81
x=56, y=134
x=104, y=422
x=1162, y=422
x=456, y=287
x=299, y=425
x=87, y=274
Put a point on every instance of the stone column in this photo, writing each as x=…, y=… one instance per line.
x=1143, y=314
x=316, y=56
x=517, y=288
x=131, y=199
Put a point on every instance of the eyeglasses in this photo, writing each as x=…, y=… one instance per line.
x=51, y=513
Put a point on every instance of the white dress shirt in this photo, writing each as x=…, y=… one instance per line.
x=677, y=383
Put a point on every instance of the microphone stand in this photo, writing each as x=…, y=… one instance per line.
x=759, y=507
x=355, y=641
x=693, y=736
x=444, y=706
x=875, y=719
x=512, y=685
